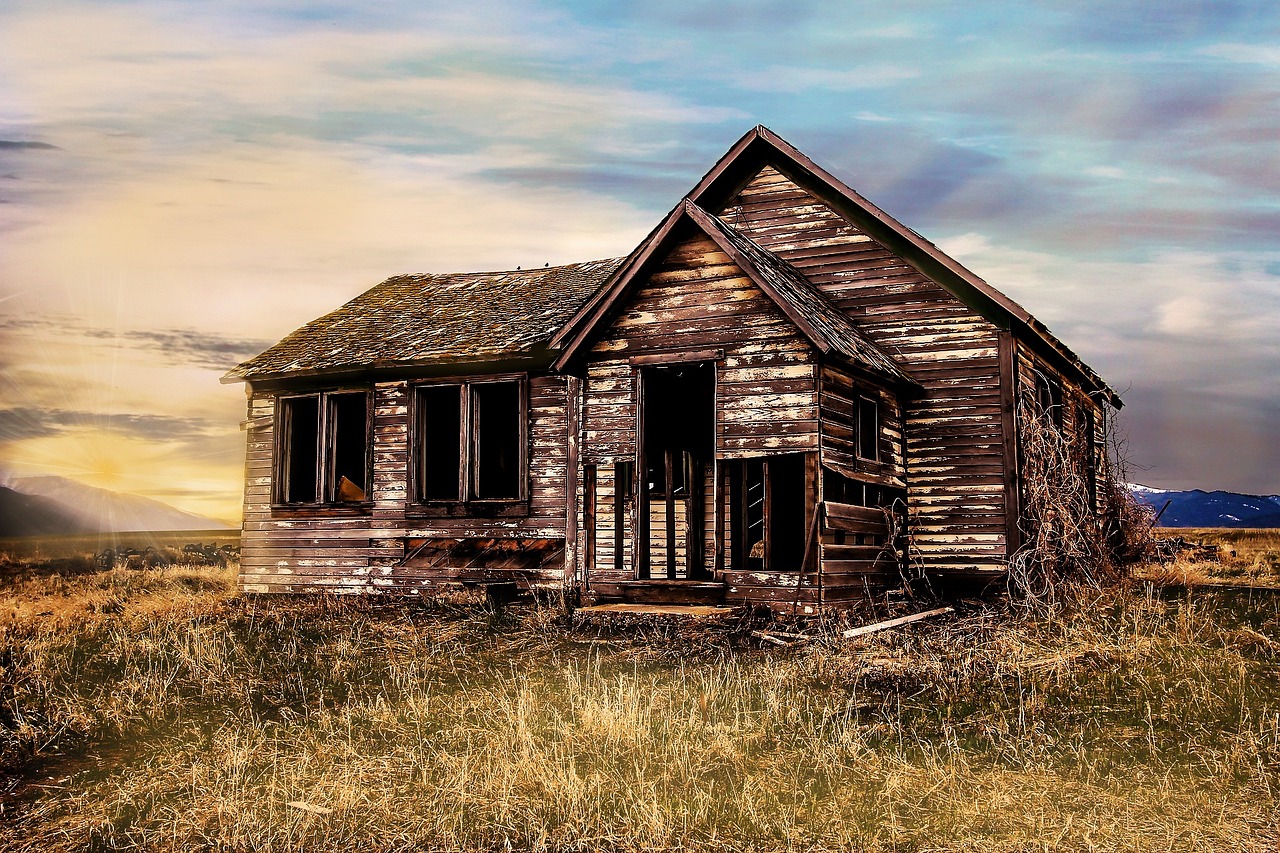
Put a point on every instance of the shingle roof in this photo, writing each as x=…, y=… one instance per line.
x=448, y=317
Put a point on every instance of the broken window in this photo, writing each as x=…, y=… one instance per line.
x=470, y=441
x=323, y=448
x=440, y=436
x=868, y=429
x=1049, y=398
x=495, y=449
x=769, y=500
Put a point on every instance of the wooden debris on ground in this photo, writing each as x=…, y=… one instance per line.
x=782, y=638
x=310, y=809
x=894, y=623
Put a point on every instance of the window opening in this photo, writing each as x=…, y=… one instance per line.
x=868, y=429
x=324, y=448
x=302, y=445
x=469, y=441
x=439, y=448
x=1049, y=398
x=785, y=480
x=348, y=466
x=496, y=451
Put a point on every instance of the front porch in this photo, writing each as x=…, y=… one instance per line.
x=763, y=537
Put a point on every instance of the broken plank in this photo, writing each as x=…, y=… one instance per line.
x=894, y=623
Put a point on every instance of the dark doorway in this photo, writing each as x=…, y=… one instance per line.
x=677, y=446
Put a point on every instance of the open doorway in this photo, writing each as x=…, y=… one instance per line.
x=677, y=445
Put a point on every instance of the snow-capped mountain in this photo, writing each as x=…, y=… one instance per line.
x=1198, y=508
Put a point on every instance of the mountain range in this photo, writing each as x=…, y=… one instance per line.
x=1198, y=508
x=33, y=506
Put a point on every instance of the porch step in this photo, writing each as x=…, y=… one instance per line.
x=663, y=591
x=691, y=611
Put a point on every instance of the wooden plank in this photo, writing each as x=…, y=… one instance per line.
x=588, y=523
x=894, y=623
x=851, y=512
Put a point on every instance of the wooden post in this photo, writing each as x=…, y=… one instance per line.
x=1007, y=352
x=668, y=465
x=640, y=488
x=717, y=478
x=621, y=481
x=588, y=523
x=695, y=520
x=573, y=428
x=737, y=516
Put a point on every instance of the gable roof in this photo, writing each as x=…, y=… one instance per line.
x=761, y=147
x=817, y=318
x=458, y=317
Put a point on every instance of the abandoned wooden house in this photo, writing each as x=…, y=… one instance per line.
x=782, y=396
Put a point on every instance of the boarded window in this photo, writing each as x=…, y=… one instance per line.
x=324, y=448
x=868, y=429
x=469, y=442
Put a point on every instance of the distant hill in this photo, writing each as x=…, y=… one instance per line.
x=1198, y=508
x=30, y=515
x=87, y=509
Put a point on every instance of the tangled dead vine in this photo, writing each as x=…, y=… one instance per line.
x=1068, y=537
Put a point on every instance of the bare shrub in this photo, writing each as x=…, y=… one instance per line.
x=1069, y=538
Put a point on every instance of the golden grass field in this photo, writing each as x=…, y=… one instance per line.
x=156, y=709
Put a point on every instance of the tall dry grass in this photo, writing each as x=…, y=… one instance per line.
x=1130, y=722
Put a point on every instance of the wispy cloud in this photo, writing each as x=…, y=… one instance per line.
x=184, y=182
x=1255, y=54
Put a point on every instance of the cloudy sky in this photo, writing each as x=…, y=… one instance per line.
x=182, y=183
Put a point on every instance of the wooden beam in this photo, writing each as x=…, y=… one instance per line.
x=621, y=487
x=717, y=478
x=894, y=623
x=675, y=357
x=573, y=431
x=1008, y=360
x=589, y=523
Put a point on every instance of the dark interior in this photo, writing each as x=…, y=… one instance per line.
x=785, y=477
x=439, y=413
x=302, y=436
x=348, y=447
x=496, y=425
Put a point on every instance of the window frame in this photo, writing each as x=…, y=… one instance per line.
x=469, y=450
x=858, y=429
x=324, y=452
x=1050, y=398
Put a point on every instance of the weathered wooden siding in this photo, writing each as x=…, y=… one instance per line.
x=696, y=300
x=300, y=550
x=954, y=429
x=839, y=393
